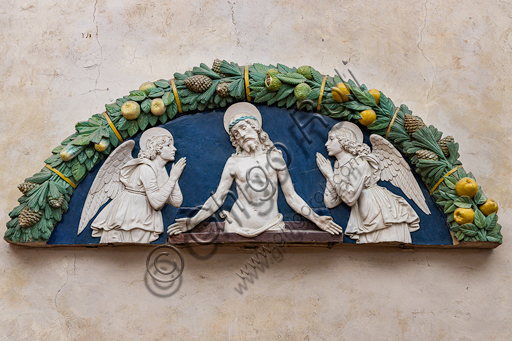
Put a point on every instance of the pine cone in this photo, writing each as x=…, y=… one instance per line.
x=198, y=83
x=216, y=68
x=412, y=123
x=56, y=203
x=222, y=90
x=443, y=143
x=28, y=217
x=426, y=155
x=26, y=187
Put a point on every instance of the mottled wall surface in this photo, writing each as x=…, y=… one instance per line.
x=449, y=61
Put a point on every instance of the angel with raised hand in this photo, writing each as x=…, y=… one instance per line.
x=377, y=215
x=139, y=189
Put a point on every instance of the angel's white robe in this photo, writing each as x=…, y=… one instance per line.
x=134, y=215
x=377, y=215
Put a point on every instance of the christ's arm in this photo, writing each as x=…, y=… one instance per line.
x=300, y=206
x=211, y=205
x=293, y=199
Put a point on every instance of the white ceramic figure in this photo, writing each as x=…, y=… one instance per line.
x=139, y=187
x=377, y=215
x=255, y=167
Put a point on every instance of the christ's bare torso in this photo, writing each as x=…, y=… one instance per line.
x=256, y=186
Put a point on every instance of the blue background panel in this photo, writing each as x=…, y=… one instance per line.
x=202, y=139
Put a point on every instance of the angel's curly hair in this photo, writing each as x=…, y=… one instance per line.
x=267, y=144
x=154, y=147
x=348, y=141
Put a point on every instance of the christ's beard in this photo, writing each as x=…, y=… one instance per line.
x=250, y=145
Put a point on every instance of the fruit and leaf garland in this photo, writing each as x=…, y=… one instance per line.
x=46, y=195
x=45, y=198
x=471, y=215
x=456, y=192
x=210, y=88
x=305, y=87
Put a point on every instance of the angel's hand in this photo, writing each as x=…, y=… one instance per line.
x=181, y=225
x=178, y=168
x=324, y=165
x=327, y=224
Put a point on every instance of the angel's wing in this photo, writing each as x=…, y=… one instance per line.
x=106, y=185
x=395, y=169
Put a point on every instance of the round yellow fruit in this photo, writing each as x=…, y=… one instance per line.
x=489, y=207
x=340, y=92
x=102, y=145
x=376, y=94
x=464, y=216
x=466, y=187
x=157, y=107
x=147, y=86
x=367, y=117
x=130, y=110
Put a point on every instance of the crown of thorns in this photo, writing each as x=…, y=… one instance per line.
x=243, y=118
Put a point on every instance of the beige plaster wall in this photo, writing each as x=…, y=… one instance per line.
x=450, y=61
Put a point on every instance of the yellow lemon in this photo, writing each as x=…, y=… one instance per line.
x=489, y=207
x=340, y=92
x=367, y=117
x=130, y=110
x=464, y=215
x=376, y=94
x=147, y=86
x=157, y=107
x=466, y=187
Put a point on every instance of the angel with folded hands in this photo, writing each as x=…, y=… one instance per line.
x=139, y=188
x=377, y=215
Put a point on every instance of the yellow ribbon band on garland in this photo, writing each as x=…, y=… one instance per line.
x=321, y=94
x=392, y=121
x=246, y=77
x=63, y=177
x=441, y=180
x=111, y=124
x=175, y=92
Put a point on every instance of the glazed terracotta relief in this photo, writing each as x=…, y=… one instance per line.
x=139, y=189
x=377, y=215
x=254, y=154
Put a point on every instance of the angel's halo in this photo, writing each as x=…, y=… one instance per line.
x=349, y=126
x=150, y=133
